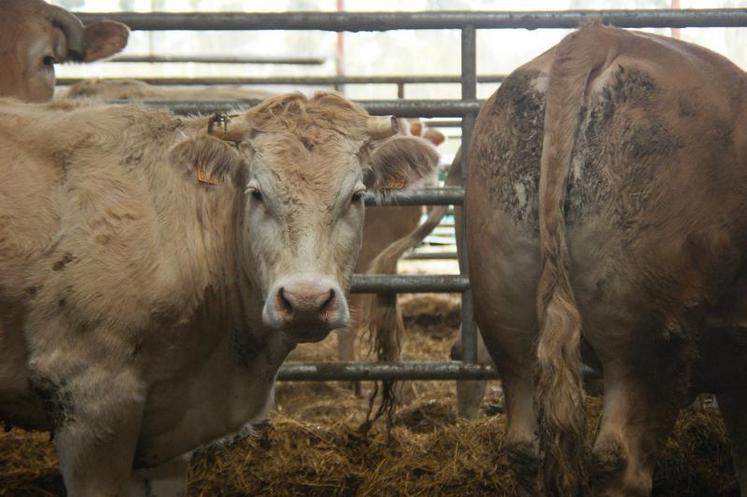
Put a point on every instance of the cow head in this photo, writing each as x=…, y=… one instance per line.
x=306, y=164
x=34, y=36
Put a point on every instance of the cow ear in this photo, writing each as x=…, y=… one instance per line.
x=207, y=160
x=104, y=39
x=416, y=127
x=434, y=136
x=399, y=162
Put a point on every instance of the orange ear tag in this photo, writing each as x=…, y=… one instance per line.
x=204, y=177
x=395, y=184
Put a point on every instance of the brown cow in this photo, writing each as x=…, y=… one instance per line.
x=132, y=89
x=155, y=271
x=34, y=36
x=611, y=170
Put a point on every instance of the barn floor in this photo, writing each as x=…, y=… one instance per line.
x=313, y=446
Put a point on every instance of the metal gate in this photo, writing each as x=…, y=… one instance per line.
x=466, y=109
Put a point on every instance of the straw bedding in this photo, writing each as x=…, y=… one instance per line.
x=312, y=445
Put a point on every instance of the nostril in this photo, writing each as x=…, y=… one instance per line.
x=284, y=304
x=327, y=304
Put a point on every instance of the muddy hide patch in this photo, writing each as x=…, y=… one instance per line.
x=507, y=146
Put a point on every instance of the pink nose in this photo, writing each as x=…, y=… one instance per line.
x=306, y=303
x=307, y=306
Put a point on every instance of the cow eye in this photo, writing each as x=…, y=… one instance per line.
x=254, y=191
x=49, y=60
x=357, y=196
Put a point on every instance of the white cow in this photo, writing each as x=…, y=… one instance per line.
x=155, y=270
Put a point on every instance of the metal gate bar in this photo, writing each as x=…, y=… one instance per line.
x=361, y=371
x=400, y=283
x=385, y=21
x=217, y=59
x=404, y=370
x=425, y=196
x=400, y=108
x=468, y=22
x=426, y=256
x=299, y=80
x=469, y=93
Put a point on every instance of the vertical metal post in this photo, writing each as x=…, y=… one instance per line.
x=675, y=32
x=401, y=89
x=340, y=51
x=469, y=92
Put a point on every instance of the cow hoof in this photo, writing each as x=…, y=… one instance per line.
x=607, y=458
x=524, y=460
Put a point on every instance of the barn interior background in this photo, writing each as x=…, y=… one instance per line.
x=399, y=52
x=313, y=446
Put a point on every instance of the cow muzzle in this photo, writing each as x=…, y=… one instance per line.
x=308, y=307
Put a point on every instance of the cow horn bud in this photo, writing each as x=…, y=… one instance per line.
x=73, y=29
x=381, y=127
x=220, y=126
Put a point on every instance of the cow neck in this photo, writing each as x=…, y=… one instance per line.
x=196, y=233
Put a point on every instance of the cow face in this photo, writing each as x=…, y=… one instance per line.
x=308, y=164
x=34, y=36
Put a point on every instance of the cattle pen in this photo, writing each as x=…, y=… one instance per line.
x=377, y=417
x=465, y=109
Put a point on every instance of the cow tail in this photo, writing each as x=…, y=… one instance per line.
x=379, y=311
x=559, y=395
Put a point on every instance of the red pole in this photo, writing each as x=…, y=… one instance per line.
x=676, y=31
x=340, y=55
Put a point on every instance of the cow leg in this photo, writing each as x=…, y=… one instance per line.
x=96, y=443
x=515, y=363
x=346, y=344
x=521, y=427
x=94, y=397
x=504, y=297
x=638, y=414
x=470, y=393
x=165, y=480
x=733, y=407
x=346, y=338
x=346, y=353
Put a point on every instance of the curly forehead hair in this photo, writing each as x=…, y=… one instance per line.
x=311, y=119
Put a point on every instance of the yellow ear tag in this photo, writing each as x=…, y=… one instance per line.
x=204, y=177
x=395, y=184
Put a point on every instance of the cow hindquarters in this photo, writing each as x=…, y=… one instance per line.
x=733, y=407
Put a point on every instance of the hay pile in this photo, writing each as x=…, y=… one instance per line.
x=313, y=447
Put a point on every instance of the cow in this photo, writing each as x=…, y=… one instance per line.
x=605, y=215
x=388, y=232
x=132, y=89
x=393, y=230
x=34, y=36
x=156, y=270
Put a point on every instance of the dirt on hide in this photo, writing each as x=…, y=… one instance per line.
x=312, y=445
x=509, y=136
